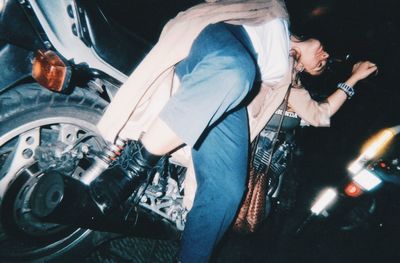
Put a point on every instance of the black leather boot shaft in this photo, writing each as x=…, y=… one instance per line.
x=113, y=187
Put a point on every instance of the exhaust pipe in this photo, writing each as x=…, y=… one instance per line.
x=66, y=200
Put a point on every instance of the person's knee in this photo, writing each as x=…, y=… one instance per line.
x=241, y=66
x=238, y=77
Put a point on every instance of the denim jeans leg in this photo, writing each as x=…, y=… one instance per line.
x=215, y=78
x=221, y=169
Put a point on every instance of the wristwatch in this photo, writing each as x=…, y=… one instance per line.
x=347, y=89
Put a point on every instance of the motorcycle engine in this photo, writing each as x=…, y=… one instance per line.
x=164, y=196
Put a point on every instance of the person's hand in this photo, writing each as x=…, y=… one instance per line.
x=361, y=70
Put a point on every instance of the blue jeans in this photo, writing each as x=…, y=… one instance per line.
x=215, y=78
x=207, y=114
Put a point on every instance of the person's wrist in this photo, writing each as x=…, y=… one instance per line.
x=352, y=81
x=347, y=89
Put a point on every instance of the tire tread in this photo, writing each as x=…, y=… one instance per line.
x=28, y=97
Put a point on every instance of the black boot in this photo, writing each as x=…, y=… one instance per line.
x=134, y=167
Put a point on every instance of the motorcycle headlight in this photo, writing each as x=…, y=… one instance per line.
x=367, y=180
x=2, y=4
x=323, y=201
x=373, y=148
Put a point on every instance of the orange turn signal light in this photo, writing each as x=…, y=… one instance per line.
x=51, y=71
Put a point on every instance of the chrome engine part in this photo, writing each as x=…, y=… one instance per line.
x=164, y=196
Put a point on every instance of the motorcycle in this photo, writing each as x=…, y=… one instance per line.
x=58, y=75
x=62, y=64
x=353, y=201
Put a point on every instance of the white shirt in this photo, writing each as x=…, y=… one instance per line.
x=271, y=42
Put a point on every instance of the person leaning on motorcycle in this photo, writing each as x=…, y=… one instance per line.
x=218, y=66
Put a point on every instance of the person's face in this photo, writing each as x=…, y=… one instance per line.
x=314, y=57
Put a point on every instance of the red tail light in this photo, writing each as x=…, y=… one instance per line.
x=353, y=190
x=50, y=71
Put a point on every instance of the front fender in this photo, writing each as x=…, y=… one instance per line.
x=15, y=64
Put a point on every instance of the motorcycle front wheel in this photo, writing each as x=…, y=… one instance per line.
x=32, y=119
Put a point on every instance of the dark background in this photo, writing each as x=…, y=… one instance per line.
x=358, y=30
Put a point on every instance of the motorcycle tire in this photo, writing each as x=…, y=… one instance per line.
x=29, y=116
